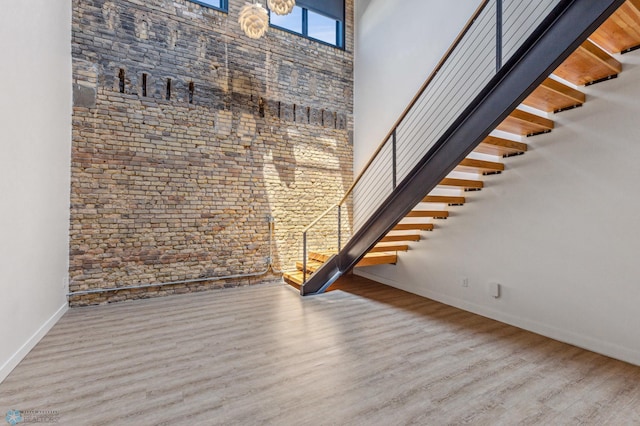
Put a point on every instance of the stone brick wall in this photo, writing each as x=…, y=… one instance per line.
x=187, y=136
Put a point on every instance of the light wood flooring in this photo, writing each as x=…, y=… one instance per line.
x=364, y=354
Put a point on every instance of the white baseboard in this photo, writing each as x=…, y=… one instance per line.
x=19, y=355
x=586, y=342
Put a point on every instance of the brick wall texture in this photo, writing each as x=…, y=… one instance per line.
x=187, y=135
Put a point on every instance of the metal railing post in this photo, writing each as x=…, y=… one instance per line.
x=304, y=257
x=498, y=35
x=339, y=228
x=393, y=157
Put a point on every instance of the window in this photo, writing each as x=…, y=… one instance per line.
x=320, y=20
x=214, y=4
x=291, y=22
x=322, y=27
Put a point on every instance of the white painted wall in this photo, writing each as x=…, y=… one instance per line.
x=559, y=230
x=398, y=44
x=35, y=147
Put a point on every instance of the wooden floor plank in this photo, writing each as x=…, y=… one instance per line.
x=363, y=353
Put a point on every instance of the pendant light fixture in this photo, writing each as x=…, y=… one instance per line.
x=281, y=7
x=254, y=20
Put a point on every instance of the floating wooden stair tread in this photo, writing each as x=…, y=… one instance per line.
x=466, y=184
x=293, y=277
x=414, y=226
x=493, y=145
x=452, y=201
x=320, y=256
x=428, y=213
x=400, y=238
x=552, y=95
x=479, y=166
x=389, y=247
x=377, y=258
x=524, y=123
x=621, y=32
x=312, y=265
x=370, y=259
x=587, y=65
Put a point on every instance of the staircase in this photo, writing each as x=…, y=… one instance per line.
x=590, y=63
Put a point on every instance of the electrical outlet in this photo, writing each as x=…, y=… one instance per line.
x=464, y=281
x=65, y=282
